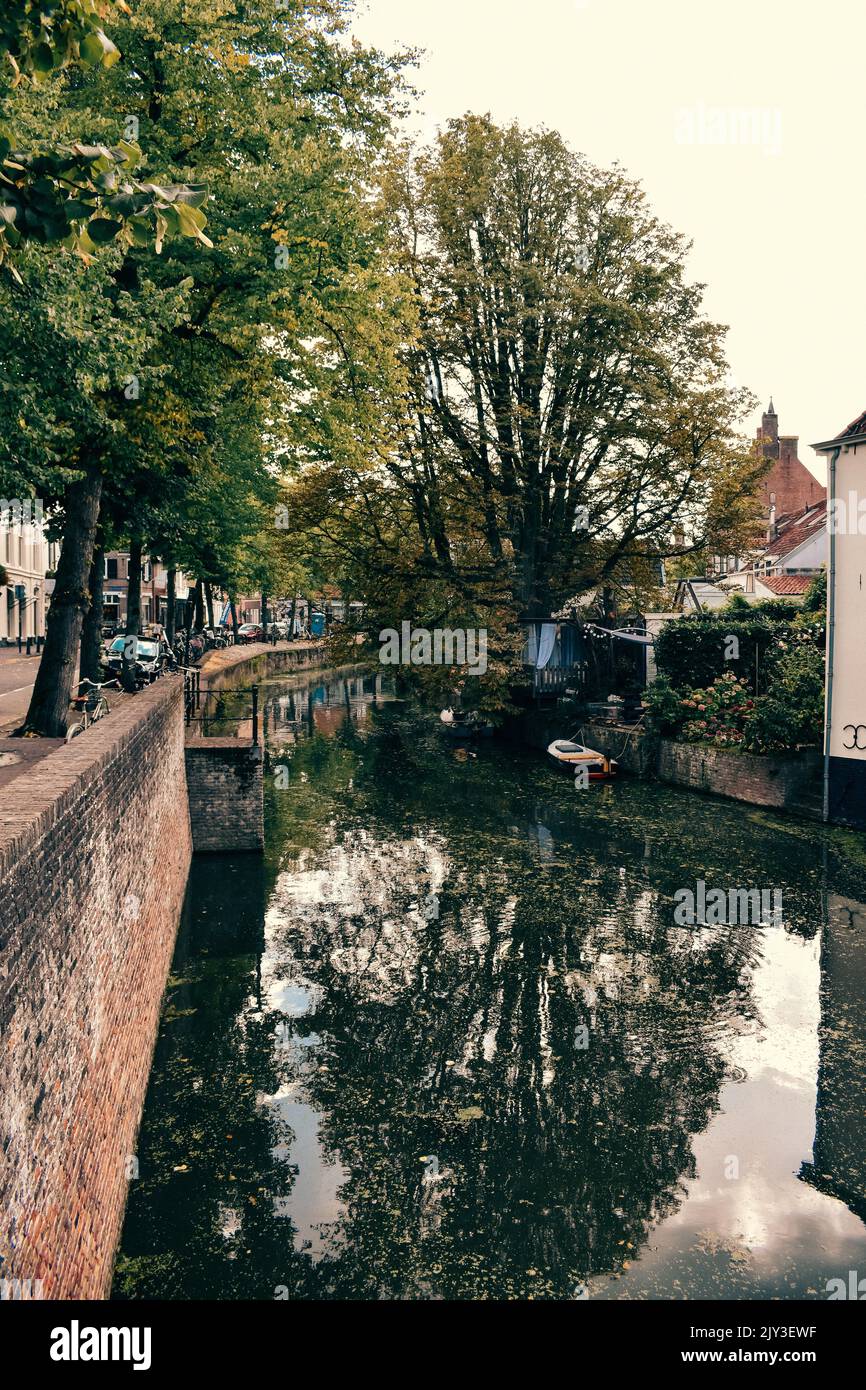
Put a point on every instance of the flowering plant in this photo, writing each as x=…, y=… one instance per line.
x=719, y=713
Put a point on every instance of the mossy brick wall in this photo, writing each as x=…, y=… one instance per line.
x=94, y=853
x=765, y=780
x=787, y=781
x=226, y=795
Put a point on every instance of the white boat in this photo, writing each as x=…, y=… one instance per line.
x=570, y=756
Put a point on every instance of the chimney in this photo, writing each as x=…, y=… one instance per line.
x=772, y=528
x=788, y=445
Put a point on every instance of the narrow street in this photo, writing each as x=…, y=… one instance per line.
x=17, y=674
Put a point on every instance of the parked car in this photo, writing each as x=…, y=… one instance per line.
x=251, y=632
x=150, y=660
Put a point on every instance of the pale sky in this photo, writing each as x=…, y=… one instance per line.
x=746, y=124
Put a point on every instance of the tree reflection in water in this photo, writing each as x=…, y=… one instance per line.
x=451, y=1044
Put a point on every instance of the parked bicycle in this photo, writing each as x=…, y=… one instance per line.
x=92, y=705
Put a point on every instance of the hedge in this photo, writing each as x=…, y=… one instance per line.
x=691, y=652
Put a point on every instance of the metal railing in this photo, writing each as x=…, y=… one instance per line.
x=216, y=709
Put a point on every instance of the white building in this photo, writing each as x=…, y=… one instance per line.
x=25, y=556
x=845, y=723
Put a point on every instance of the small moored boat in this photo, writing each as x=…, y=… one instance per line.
x=570, y=756
x=457, y=725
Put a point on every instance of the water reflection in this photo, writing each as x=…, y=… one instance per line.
x=459, y=1048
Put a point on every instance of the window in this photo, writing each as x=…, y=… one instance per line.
x=111, y=567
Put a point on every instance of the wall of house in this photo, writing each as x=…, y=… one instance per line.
x=848, y=713
x=95, y=848
x=25, y=555
x=809, y=556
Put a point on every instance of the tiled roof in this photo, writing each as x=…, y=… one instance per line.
x=856, y=427
x=797, y=530
x=786, y=583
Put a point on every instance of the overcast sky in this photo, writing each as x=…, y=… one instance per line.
x=746, y=124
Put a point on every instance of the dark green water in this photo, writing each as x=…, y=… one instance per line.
x=447, y=1041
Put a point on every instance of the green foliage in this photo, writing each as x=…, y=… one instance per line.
x=691, y=651
x=80, y=195
x=727, y=714
x=815, y=597
x=536, y=274
x=70, y=338
x=284, y=118
x=85, y=196
x=791, y=714
x=664, y=705
x=776, y=609
x=38, y=37
x=718, y=714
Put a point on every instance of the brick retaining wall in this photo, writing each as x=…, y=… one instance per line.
x=789, y=781
x=257, y=660
x=94, y=854
x=226, y=795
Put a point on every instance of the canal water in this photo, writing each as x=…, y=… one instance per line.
x=448, y=1041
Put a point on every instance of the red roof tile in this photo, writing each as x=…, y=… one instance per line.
x=786, y=583
x=797, y=530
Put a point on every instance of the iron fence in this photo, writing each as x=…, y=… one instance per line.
x=214, y=710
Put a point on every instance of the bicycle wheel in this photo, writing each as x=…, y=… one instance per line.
x=73, y=731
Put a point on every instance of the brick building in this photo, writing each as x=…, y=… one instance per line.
x=794, y=506
x=789, y=488
x=154, y=589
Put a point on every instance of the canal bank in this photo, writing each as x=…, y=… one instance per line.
x=224, y=752
x=95, y=850
x=446, y=1040
x=95, y=847
x=784, y=781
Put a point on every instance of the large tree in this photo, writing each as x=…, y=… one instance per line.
x=567, y=407
x=276, y=110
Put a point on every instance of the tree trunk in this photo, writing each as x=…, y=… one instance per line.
x=199, y=606
x=171, y=601
x=133, y=589
x=292, y=619
x=49, y=703
x=264, y=617
x=90, y=663
x=234, y=613
x=133, y=613
x=208, y=597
